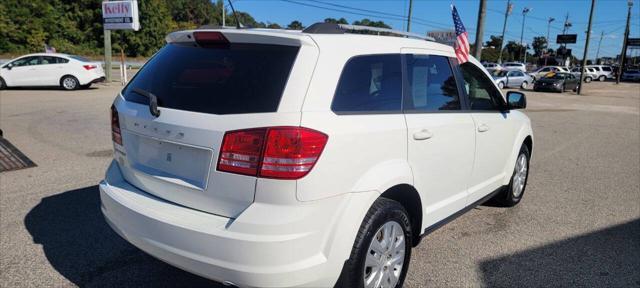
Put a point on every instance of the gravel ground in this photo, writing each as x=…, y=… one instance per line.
x=578, y=224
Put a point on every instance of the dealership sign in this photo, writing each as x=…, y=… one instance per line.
x=120, y=15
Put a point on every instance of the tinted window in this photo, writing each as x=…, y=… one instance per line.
x=238, y=78
x=53, y=60
x=432, y=86
x=26, y=61
x=608, y=69
x=370, y=83
x=516, y=74
x=545, y=69
x=483, y=95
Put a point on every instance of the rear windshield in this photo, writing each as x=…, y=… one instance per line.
x=238, y=78
x=79, y=58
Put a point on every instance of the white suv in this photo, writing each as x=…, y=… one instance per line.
x=271, y=158
x=604, y=72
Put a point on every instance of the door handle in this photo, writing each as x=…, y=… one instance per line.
x=423, y=134
x=483, y=128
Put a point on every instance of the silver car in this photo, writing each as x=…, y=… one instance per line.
x=514, y=78
x=589, y=75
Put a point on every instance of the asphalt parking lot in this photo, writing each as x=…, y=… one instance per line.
x=578, y=224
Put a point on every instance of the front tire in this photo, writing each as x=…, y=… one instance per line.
x=587, y=79
x=382, y=249
x=69, y=83
x=513, y=193
x=501, y=85
x=524, y=85
x=3, y=85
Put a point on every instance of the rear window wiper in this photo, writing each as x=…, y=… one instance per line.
x=153, y=101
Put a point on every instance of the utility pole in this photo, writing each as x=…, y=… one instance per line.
x=586, y=49
x=504, y=28
x=107, y=55
x=224, y=15
x=551, y=19
x=624, y=43
x=524, y=16
x=567, y=24
x=477, y=49
x=409, y=16
x=600, y=42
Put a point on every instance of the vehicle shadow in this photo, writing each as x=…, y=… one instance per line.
x=81, y=246
x=604, y=258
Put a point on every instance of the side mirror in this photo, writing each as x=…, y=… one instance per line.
x=9, y=66
x=516, y=100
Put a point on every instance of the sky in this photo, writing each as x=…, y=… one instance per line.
x=428, y=15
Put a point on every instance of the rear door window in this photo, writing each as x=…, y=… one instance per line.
x=234, y=79
x=432, y=86
x=370, y=84
x=608, y=69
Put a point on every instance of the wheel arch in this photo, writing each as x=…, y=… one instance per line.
x=410, y=199
x=65, y=75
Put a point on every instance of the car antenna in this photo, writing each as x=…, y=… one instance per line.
x=235, y=15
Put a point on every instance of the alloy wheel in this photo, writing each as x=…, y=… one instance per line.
x=385, y=257
x=520, y=176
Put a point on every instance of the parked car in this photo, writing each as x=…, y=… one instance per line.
x=492, y=66
x=514, y=66
x=604, y=72
x=507, y=79
x=541, y=72
x=589, y=74
x=49, y=69
x=249, y=157
x=630, y=75
x=558, y=82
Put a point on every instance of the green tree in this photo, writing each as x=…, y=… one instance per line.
x=367, y=22
x=155, y=24
x=538, y=44
x=295, y=25
x=494, y=41
x=336, y=21
x=273, y=25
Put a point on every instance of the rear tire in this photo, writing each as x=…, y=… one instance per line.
x=602, y=78
x=374, y=259
x=587, y=79
x=501, y=85
x=69, y=83
x=3, y=85
x=524, y=85
x=513, y=193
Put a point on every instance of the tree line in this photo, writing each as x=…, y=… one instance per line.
x=75, y=26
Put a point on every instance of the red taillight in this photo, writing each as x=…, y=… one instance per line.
x=89, y=67
x=277, y=152
x=209, y=38
x=241, y=151
x=115, y=126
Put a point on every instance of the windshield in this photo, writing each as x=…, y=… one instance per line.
x=238, y=78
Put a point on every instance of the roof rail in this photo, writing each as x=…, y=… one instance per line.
x=335, y=28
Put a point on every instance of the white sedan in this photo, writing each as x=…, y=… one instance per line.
x=48, y=69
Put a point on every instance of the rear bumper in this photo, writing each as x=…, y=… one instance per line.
x=98, y=80
x=265, y=246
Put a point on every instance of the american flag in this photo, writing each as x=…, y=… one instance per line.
x=462, y=39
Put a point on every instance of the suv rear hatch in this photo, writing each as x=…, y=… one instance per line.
x=207, y=83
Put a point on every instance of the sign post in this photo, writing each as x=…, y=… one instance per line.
x=118, y=15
